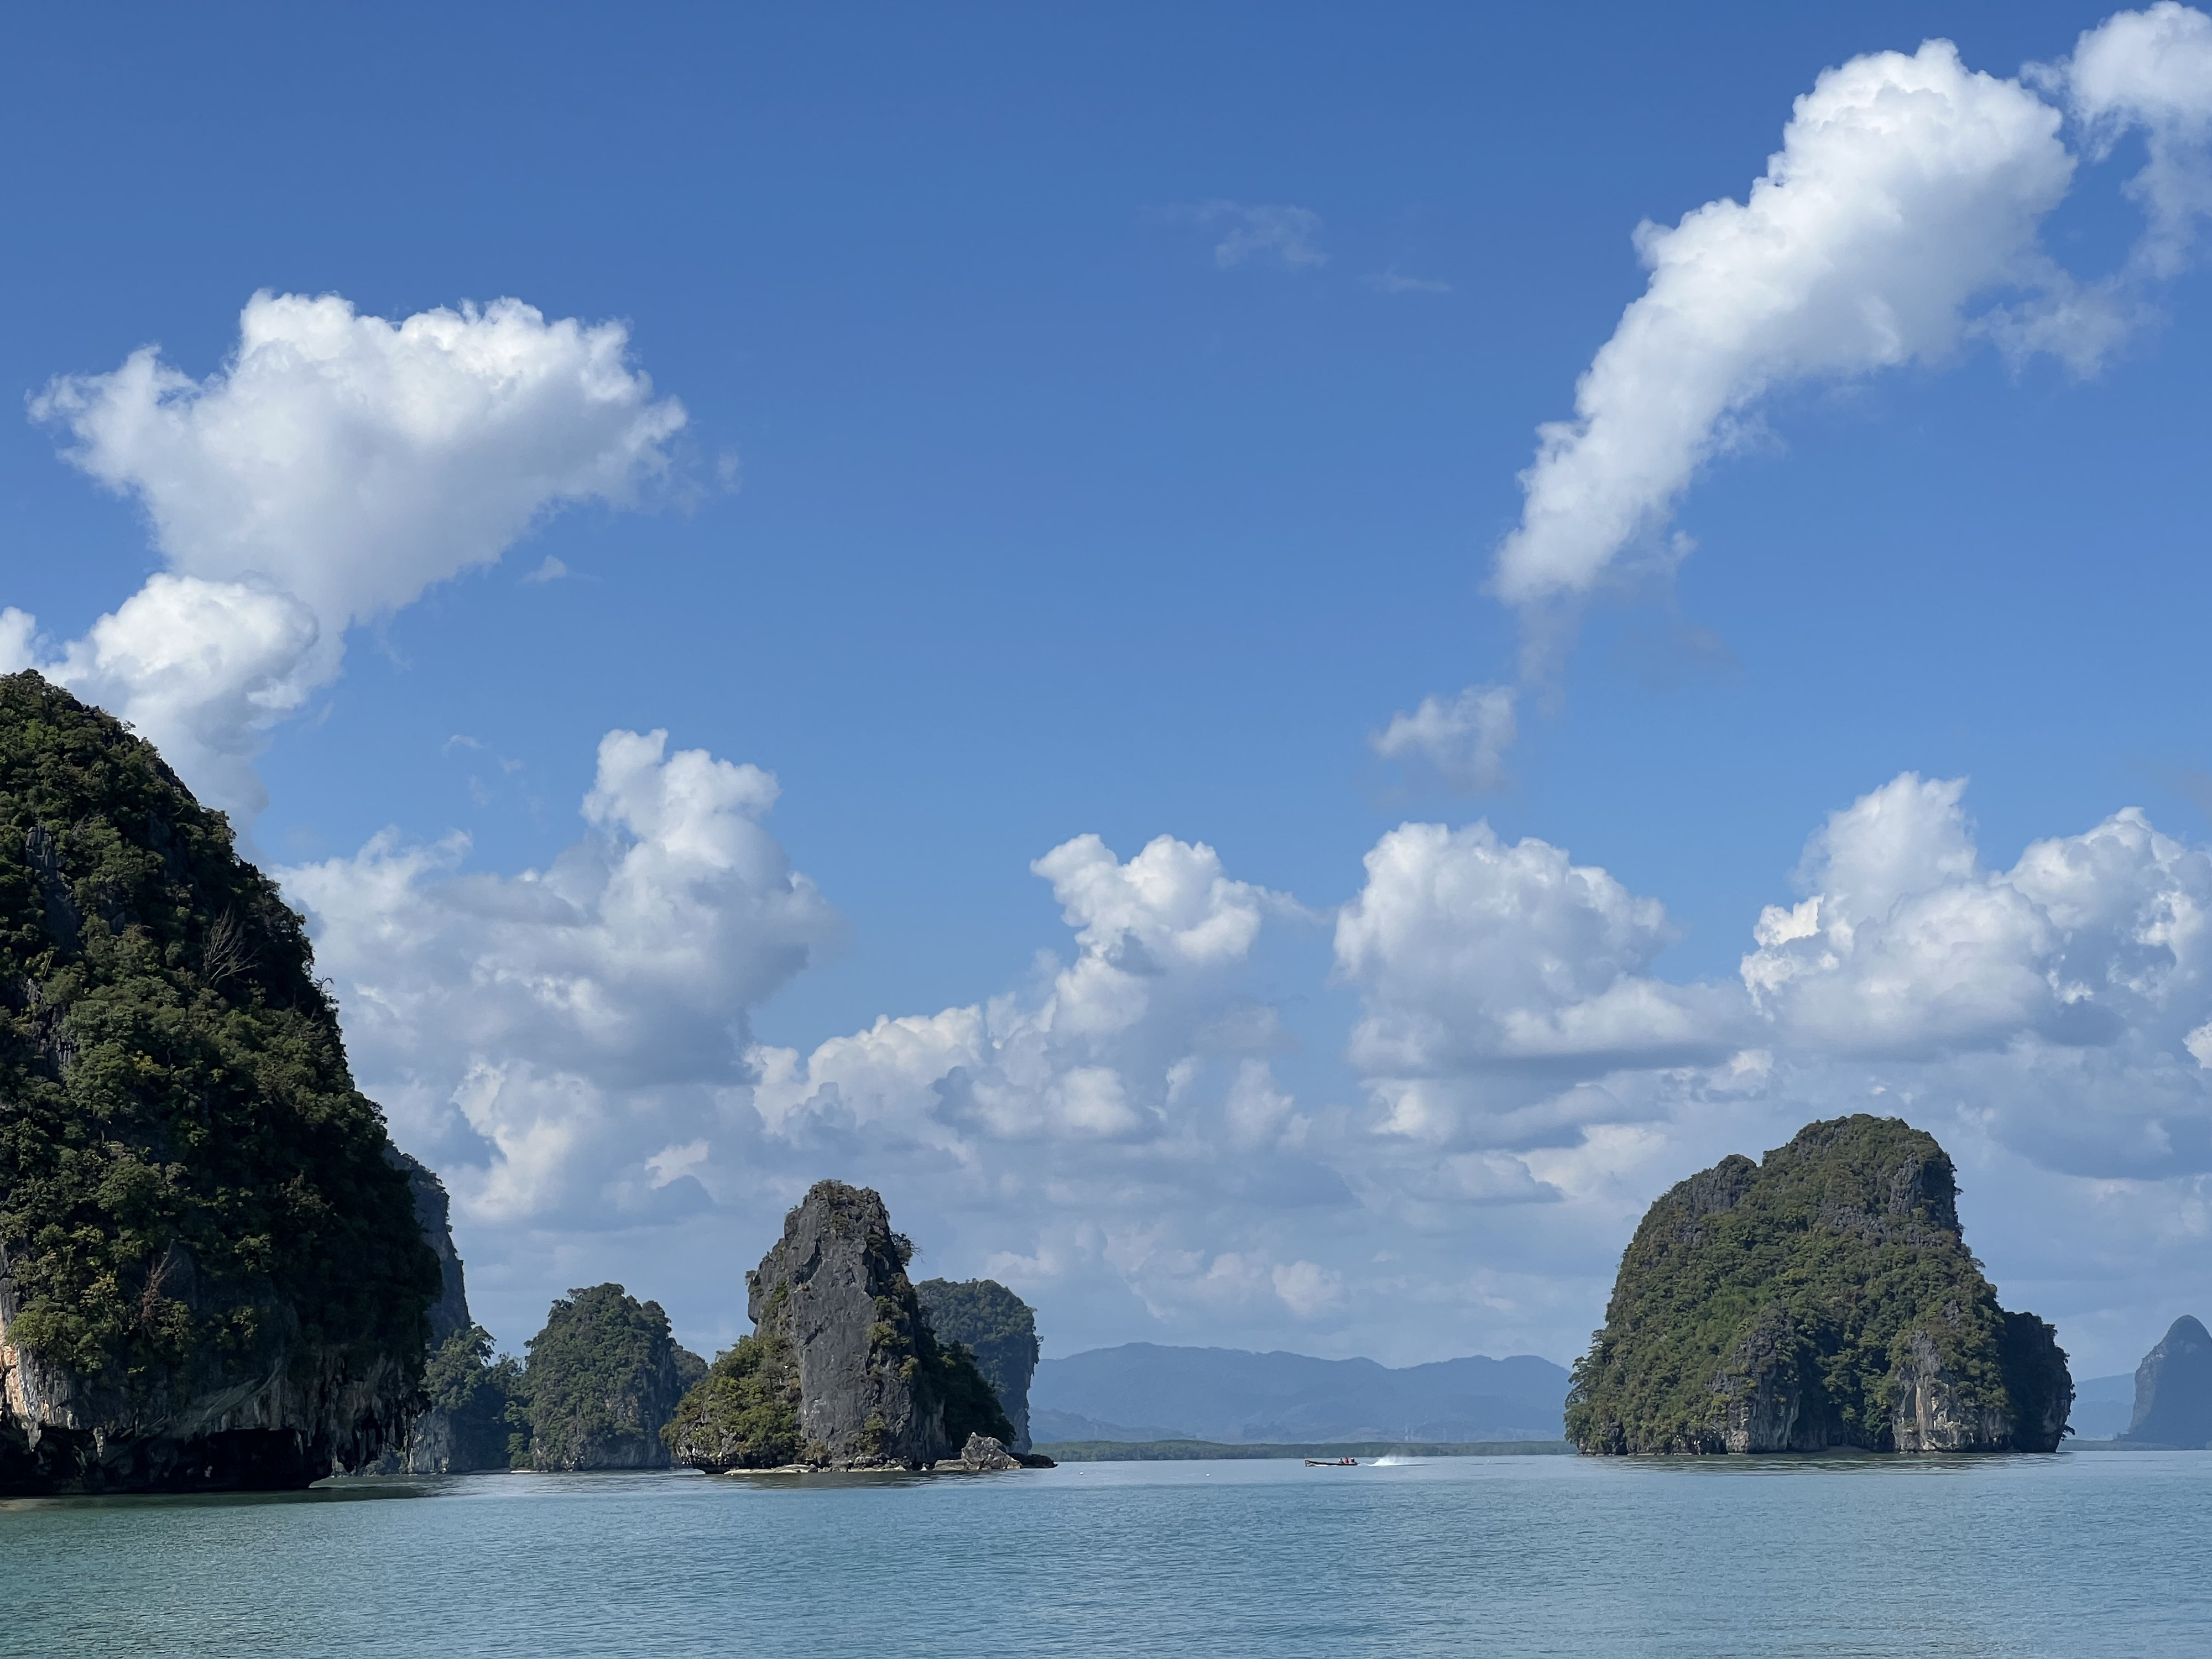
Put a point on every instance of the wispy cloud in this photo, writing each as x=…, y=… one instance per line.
x=1276, y=234
x=1394, y=281
x=1465, y=739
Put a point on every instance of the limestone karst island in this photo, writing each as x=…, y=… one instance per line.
x=1821, y=1300
x=217, y=1273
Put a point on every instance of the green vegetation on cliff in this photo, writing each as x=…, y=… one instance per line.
x=477, y=1394
x=602, y=1380
x=942, y=1374
x=745, y=1414
x=997, y=1327
x=187, y=1173
x=1823, y=1298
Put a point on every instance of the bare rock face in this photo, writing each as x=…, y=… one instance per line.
x=464, y=1429
x=835, y=1288
x=1931, y=1412
x=434, y=1214
x=839, y=1326
x=2174, y=1389
x=280, y=1417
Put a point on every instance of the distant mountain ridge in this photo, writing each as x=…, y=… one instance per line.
x=1146, y=1391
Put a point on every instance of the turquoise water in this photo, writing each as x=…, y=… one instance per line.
x=2081, y=1554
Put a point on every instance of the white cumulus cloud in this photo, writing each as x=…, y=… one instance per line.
x=1905, y=186
x=555, y=1033
x=1495, y=977
x=336, y=466
x=1155, y=986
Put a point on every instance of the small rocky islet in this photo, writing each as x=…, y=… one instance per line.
x=844, y=1369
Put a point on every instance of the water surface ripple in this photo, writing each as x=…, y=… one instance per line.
x=2078, y=1555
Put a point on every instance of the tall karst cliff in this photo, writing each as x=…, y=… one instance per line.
x=211, y=1275
x=1822, y=1299
x=465, y=1426
x=2174, y=1389
x=842, y=1370
x=999, y=1329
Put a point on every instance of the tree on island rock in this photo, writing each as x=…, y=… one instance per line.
x=999, y=1329
x=602, y=1380
x=841, y=1370
x=1822, y=1299
x=212, y=1276
x=473, y=1397
x=2174, y=1389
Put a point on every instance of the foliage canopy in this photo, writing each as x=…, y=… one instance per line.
x=602, y=1379
x=743, y=1414
x=187, y=1173
x=996, y=1327
x=1828, y=1275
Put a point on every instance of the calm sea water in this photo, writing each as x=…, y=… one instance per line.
x=2081, y=1554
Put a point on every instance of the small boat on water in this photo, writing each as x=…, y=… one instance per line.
x=1332, y=1462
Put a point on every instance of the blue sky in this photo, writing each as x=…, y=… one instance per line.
x=1104, y=424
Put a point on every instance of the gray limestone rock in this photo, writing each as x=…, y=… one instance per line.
x=983, y=1451
x=2174, y=1389
x=438, y=1442
x=835, y=1288
x=434, y=1212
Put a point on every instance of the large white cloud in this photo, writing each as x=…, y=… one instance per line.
x=1905, y=186
x=1899, y=218
x=2059, y=1001
x=334, y=468
x=550, y=1035
x=1109, y=1049
x=1494, y=976
x=1130, y=1133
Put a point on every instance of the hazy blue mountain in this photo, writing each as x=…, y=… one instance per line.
x=1226, y=1394
x=2103, y=1407
x=2174, y=1388
x=1072, y=1425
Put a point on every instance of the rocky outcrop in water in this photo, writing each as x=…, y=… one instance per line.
x=601, y=1382
x=842, y=1370
x=210, y=1275
x=2174, y=1389
x=1822, y=1299
x=999, y=1328
x=984, y=1454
